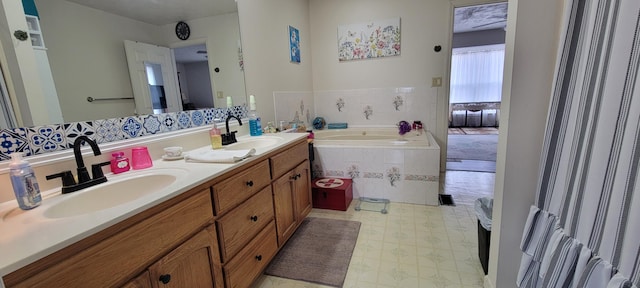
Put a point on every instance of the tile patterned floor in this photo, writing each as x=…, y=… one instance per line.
x=414, y=245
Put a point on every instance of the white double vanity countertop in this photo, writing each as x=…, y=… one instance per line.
x=27, y=236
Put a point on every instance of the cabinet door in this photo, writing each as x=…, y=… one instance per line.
x=195, y=264
x=142, y=281
x=284, y=204
x=302, y=190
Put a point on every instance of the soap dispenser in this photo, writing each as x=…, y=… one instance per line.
x=216, y=138
x=24, y=182
x=255, y=127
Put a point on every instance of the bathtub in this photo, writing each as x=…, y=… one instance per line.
x=381, y=163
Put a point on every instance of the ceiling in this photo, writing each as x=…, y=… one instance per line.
x=190, y=54
x=162, y=12
x=480, y=17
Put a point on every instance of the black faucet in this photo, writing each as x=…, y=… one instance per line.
x=84, y=179
x=230, y=137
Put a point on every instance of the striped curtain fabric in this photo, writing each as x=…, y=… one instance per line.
x=584, y=229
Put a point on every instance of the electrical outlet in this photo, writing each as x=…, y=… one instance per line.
x=436, y=82
x=219, y=94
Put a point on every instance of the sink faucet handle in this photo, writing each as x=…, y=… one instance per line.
x=67, y=178
x=96, y=169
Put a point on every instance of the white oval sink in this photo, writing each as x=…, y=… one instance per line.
x=112, y=193
x=255, y=143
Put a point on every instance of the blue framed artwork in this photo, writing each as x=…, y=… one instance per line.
x=294, y=44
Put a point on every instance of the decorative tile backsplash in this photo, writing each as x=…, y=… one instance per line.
x=49, y=138
x=378, y=106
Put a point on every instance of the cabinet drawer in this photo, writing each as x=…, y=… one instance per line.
x=240, y=187
x=242, y=270
x=287, y=160
x=240, y=225
x=111, y=261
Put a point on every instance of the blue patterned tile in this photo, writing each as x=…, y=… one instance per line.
x=220, y=113
x=151, y=124
x=184, y=120
x=237, y=111
x=244, y=111
x=13, y=140
x=48, y=138
x=75, y=129
x=209, y=116
x=107, y=130
x=197, y=118
x=131, y=127
x=168, y=122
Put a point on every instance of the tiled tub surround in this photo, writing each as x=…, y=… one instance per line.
x=56, y=137
x=381, y=166
x=377, y=106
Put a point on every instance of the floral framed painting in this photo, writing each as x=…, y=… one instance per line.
x=294, y=44
x=380, y=38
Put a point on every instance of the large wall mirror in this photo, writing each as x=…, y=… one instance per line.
x=85, y=46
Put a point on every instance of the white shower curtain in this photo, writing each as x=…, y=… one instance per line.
x=584, y=229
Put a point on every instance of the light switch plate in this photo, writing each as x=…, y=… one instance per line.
x=436, y=82
x=219, y=94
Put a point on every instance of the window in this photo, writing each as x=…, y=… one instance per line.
x=476, y=74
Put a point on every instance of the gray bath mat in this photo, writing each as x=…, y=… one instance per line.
x=319, y=252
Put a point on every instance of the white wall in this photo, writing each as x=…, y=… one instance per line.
x=265, y=39
x=86, y=53
x=531, y=47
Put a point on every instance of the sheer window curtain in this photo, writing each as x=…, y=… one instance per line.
x=476, y=74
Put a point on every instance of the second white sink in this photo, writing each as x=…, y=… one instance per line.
x=113, y=193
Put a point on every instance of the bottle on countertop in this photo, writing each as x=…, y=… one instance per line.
x=119, y=163
x=216, y=138
x=255, y=127
x=24, y=182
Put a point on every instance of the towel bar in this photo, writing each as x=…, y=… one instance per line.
x=91, y=99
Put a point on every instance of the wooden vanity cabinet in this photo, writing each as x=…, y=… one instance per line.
x=114, y=256
x=141, y=281
x=239, y=226
x=192, y=264
x=291, y=189
x=222, y=233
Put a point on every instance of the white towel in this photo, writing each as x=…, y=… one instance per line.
x=219, y=156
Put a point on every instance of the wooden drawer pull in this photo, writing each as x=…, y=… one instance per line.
x=250, y=183
x=259, y=257
x=254, y=218
x=165, y=279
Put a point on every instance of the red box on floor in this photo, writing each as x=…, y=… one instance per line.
x=332, y=193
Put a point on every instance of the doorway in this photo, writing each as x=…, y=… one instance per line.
x=194, y=78
x=477, y=60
